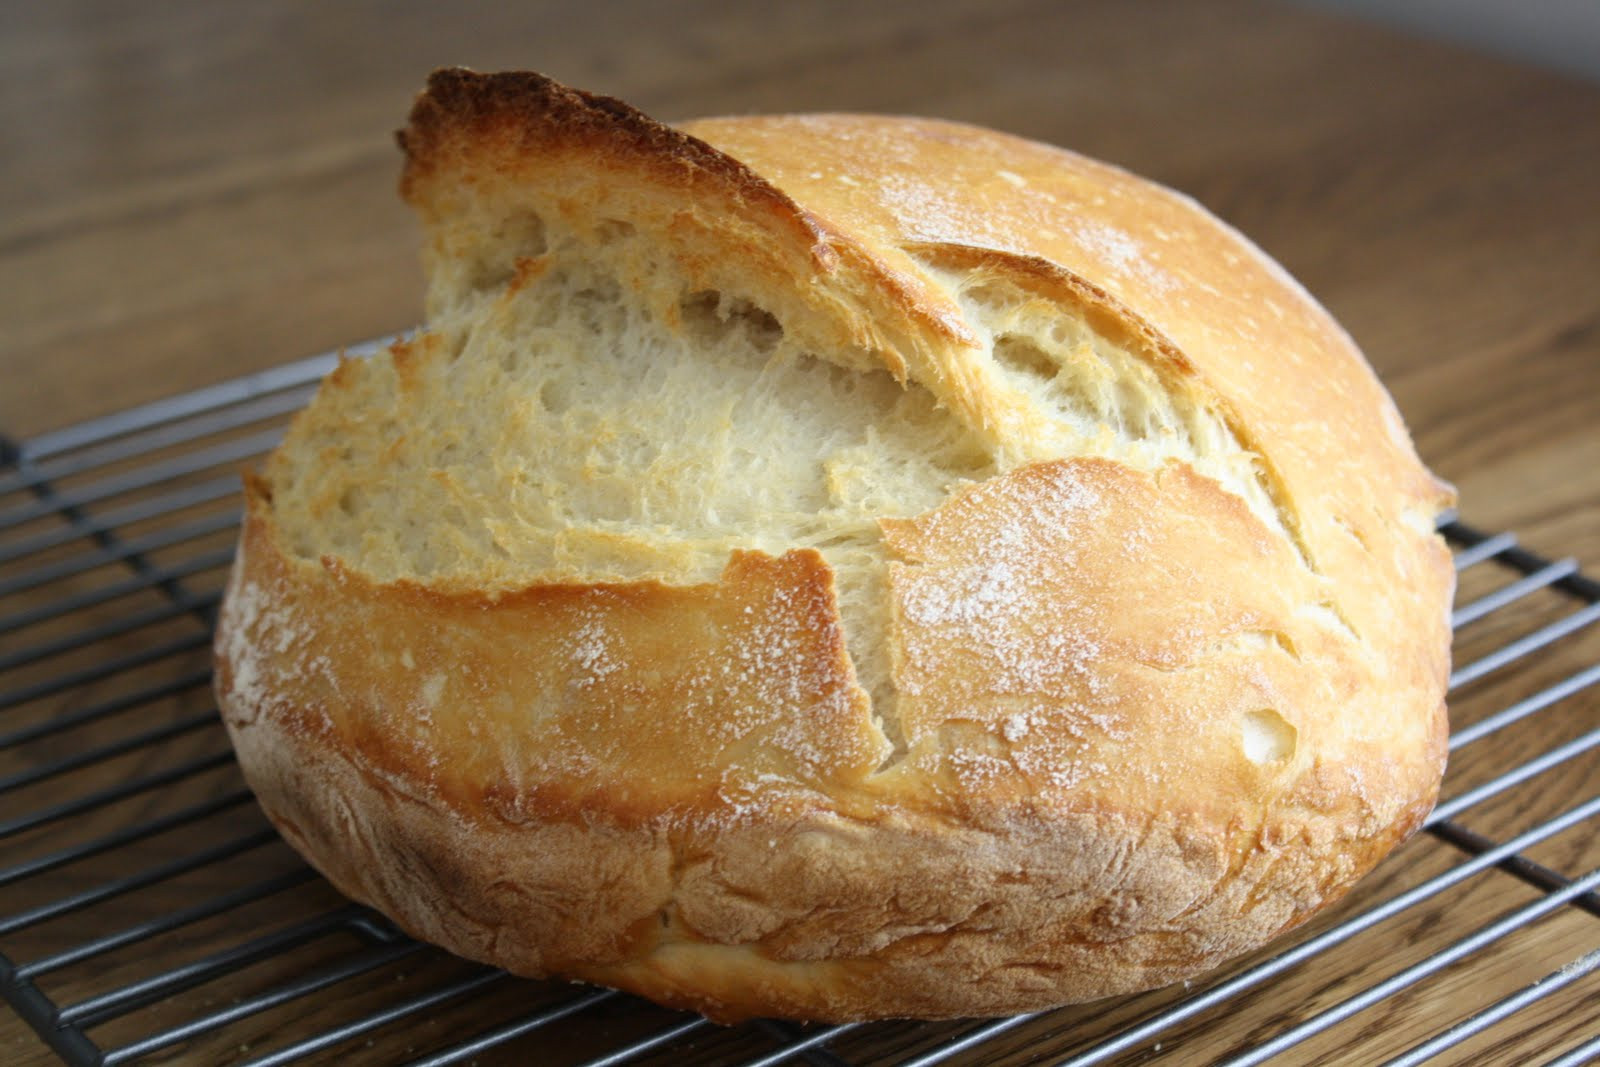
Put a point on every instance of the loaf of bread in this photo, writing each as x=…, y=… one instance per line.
x=836, y=567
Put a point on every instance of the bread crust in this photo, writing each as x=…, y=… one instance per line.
x=1141, y=727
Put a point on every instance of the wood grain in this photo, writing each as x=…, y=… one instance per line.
x=196, y=191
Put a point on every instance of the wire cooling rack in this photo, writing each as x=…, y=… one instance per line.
x=148, y=911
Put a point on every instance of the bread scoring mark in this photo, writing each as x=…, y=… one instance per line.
x=1053, y=385
x=1074, y=388
x=553, y=479
x=558, y=476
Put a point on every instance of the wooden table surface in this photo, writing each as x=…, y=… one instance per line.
x=193, y=191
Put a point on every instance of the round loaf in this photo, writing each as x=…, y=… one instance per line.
x=836, y=567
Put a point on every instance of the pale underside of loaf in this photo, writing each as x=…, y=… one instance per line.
x=886, y=484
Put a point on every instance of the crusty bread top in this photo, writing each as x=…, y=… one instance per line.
x=1048, y=306
x=887, y=470
x=1220, y=323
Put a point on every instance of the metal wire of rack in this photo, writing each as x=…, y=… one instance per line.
x=147, y=910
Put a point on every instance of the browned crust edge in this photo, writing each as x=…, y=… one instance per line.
x=524, y=113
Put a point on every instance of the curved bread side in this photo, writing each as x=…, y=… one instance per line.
x=711, y=826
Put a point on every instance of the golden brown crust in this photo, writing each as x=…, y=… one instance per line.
x=529, y=118
x=1142, y=726
x=796, y=886
x=373, y=664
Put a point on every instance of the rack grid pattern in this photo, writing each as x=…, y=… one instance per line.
x=148, y=910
